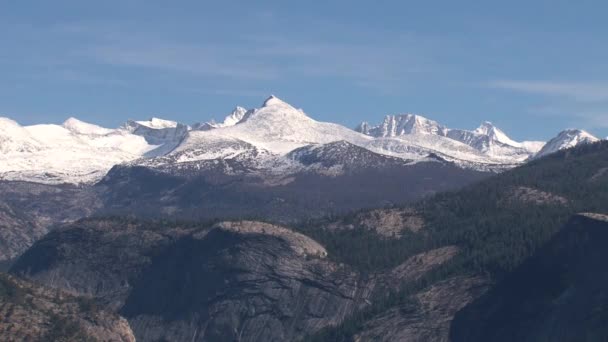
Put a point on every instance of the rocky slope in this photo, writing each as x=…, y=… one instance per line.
x=310, y=182
x=314, y=182
x=396, y=273
x=243, y=281
x=559, y=294
x=30, y=210
x=29, y=312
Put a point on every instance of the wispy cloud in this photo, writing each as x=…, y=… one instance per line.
x=580, y=104
x=377, y=60
x=576, y=115
x=578, y=91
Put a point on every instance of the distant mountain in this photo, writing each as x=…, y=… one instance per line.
x=74, y=152
x=395, y=125
x=489, y=144
x=566, y=139
x=79, y=152
x=310, y=181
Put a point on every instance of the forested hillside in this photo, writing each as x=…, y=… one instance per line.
x=497, y=223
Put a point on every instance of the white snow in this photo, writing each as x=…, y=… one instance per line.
x=158, y=123
x=490, y=144
x=80, y=152
x=75, y=152
x=566, y=139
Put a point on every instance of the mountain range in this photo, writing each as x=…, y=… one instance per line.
x=269, y=140
x=515, y=256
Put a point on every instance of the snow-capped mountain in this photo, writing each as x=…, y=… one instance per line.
x=566, y=139
x=273, y=139
x=74, y=152
x=396, y=125
x=489, y=144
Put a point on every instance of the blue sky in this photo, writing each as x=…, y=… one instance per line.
x=531, y=67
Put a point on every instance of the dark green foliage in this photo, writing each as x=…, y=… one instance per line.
x=364, y=249
x=9, y=291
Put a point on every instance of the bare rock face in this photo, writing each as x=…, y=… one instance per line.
x=30, y=312
x=388, y=223
x=428, y=314
x=537, y=197
x=245, y=281
x=392, y=222
x=299, y=243
x=420, y=264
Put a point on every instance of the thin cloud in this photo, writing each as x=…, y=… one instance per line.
x=578, y=91
x=383, y=62
x=580, y=104
x=588, y=116
x=206, y=61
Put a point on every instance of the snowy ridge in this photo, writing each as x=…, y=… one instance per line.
x=275, y=139
x=489, y=144
x=232, y=119
x=74, y=152
x=566, y=139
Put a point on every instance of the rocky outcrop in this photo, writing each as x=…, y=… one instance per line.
x=536, y=196
x=299, y=243
x=426, y=317
x=388, y=223
x=242, y=281
x=558, y=294
x=30, y=312
x=420, y=264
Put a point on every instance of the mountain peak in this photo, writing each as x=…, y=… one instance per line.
x=274, y=101
x=566, y=139
x=402, y=124
x=235, y=117
x=485, y=128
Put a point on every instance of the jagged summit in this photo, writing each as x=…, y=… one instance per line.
x=402, y=124
x=485, y=127
x=274, y=101
x=235, y=117
x=77, y=151
x=495, y=134
x=231, y=119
